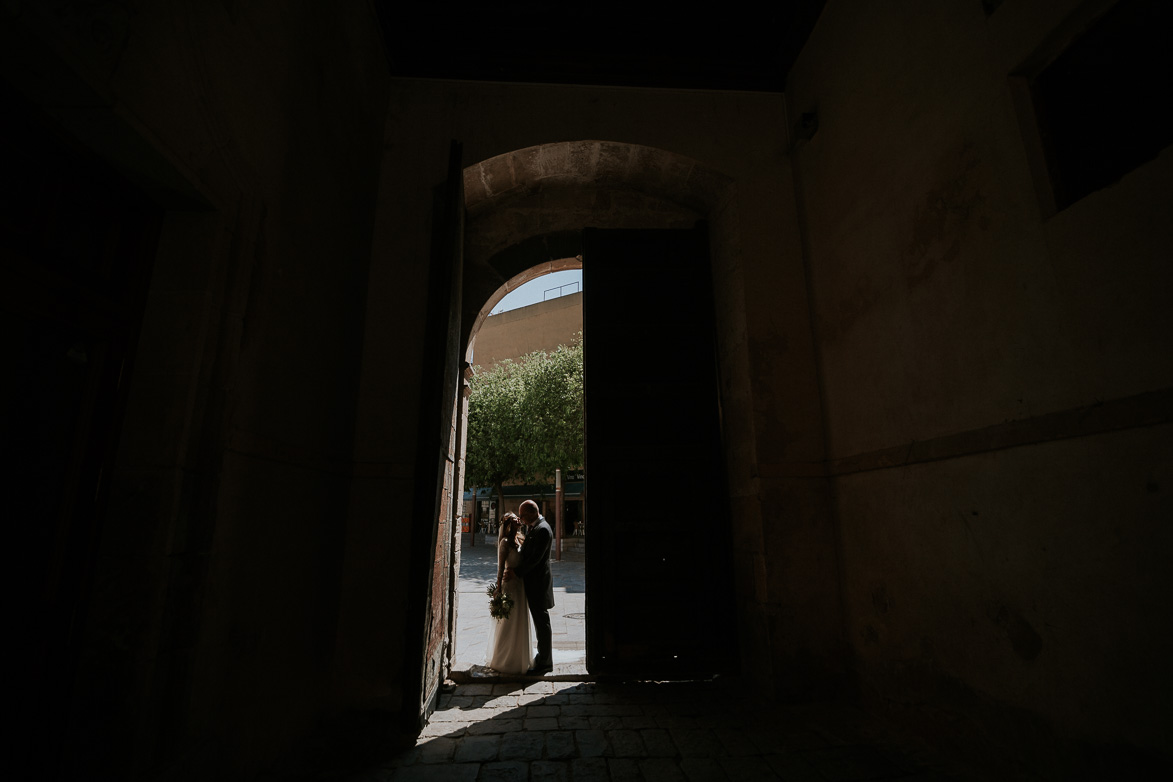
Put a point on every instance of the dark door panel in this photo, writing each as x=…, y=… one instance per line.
x=659, y=580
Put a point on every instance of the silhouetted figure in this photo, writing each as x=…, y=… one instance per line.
x=539, y=583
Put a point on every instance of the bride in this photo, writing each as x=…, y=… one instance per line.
x=510, y=644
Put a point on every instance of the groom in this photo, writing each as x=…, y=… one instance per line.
x=539, y=584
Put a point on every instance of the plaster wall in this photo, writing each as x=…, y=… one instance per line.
x=996, y=386
x=210, y=631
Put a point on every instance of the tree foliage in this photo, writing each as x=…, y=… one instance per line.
x=525, y=419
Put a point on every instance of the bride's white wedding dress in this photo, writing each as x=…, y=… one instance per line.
x=511, y=645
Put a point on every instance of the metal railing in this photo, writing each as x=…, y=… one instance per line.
x=576, y=285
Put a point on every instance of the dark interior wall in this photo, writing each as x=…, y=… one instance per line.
x=210, y=633
x=996, y=385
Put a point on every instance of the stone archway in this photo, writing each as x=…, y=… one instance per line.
x=526, y=211
x=527, y=208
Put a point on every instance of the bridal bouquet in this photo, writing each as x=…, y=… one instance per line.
x=499, y=604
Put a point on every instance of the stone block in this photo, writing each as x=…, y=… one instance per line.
x=591, y=743
x=523, y=744
x=477, y=749
x=560, y=744
x=626, y=743
x=550, y=771
x=512, y=771
x=590, y=769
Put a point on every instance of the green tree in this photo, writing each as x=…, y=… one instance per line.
x=552, y=409
x=525, y=419
x=493, y=450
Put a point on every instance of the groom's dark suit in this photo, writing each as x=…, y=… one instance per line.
x=539, y=586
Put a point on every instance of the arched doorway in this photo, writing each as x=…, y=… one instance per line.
x=527, y=211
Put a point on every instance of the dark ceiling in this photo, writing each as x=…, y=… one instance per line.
x=733, y=45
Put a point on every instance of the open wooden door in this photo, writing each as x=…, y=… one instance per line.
x=434, y=506
x=659, y=578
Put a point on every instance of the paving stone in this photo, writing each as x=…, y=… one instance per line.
x=565, y=687
x=494, y=726
x=702, y=770
x=697, y=742
x=591, y=743
x=626, y=744
x=408, y=758
x=677, y=722
x=747, y=769
x=767, y=738
x=793, y=766
x=438, y=750
x=624, y=770
x=541, y=711
x=661, y=770
x=550, y=771
x=839, y=764
x=459, y=772
x=606, y=723
x=523, y=745
x=560, y=744
x=736, y=742
x=574, y=711
x=477, y=749
x=639, y=722
x=503, y=688
x=542, y=723
x=509, y=771
x=590, y=770
x=451, y=730
x=658, y=743
x=530, y=698
x=807, y=739
x=475, y=689
x=451, y=715
x=480, y=715
x=581, y=699
x=614, y=710
x=574, y=723
x=508, y=701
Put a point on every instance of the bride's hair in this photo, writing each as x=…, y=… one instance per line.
x=508, y=523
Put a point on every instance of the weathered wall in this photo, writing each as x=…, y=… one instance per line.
x=541, y=326
x=211, y=629
x=996, y=386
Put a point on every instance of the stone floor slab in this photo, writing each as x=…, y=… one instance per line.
x=590, y=770
x=523, y=745
x=624, y=770
x=550, y=771
x=661, y=770
x=507, y=771
x=477, y=749
x=591, y=743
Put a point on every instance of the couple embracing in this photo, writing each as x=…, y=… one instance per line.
x=523, y=572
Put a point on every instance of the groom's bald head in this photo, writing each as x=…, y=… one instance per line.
x=528, y=512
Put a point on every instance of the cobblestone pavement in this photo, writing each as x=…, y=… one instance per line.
x=564, y=728
x=478, y=568
x=577, y=731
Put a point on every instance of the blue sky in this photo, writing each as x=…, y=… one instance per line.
x=540, y=290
